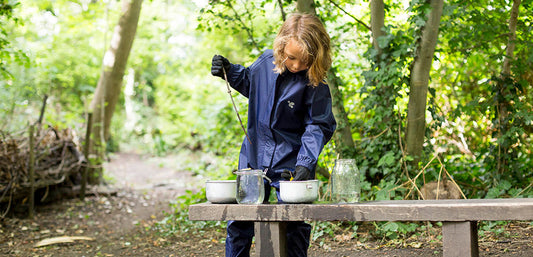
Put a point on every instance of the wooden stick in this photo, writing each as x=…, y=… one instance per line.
x=235, y=107
x=86, y=153
x=451, y=178
x=42, y=109
x=32, y=174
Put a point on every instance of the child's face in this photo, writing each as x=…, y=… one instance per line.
x=293, y=57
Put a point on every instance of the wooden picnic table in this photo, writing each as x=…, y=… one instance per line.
x=459, y=218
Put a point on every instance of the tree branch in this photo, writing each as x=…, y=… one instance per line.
x=512, y=37
x=353, y=17
x=249, y=31
x=283, y=15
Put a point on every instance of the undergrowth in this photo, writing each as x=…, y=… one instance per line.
x=177, y=221
x=397, y=234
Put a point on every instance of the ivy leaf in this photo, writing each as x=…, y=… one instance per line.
x=387, y=160
x=493, y=193
x=391, y=226
x=382, y=195
x=504, y=185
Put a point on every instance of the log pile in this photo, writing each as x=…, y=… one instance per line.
x=57, y=154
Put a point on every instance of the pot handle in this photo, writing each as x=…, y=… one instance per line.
x=267, y=178
x=263, y=174
x=309, y=186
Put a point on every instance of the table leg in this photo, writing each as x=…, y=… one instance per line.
x=460, y=239
x=271, y=239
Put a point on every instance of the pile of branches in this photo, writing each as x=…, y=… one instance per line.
x=57, y=156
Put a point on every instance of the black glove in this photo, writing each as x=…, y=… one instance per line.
x=218, y=63
x=302, y=173
x=287, y=175
x=299, y=174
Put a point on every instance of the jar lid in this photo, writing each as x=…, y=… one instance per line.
x=248, y=172
x=345, y=160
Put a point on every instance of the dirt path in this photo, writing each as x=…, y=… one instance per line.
x=113, y=225
x=119, y=224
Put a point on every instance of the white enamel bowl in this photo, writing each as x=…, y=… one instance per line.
x=298, y=191
x=221, y=191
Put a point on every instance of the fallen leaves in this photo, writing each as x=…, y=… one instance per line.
x=61, y=239
x=343, y=238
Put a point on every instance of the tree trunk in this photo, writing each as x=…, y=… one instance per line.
x=344, y=143
x=377, y=22
x=306, y=6
x=283, y=14
x=504, y=104
x=512, y=37
x=110, y=83
x=416, y=113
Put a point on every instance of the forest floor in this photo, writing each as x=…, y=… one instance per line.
x=118, y=224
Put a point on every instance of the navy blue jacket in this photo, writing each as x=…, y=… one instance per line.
x=289, y=121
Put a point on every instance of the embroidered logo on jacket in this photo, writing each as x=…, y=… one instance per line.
x=291, y=104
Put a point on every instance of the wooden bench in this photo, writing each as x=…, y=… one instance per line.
x=459, y=218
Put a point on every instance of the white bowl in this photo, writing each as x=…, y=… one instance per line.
x=298, y=191
x=221, y=191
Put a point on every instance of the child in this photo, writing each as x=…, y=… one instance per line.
x=289, y=117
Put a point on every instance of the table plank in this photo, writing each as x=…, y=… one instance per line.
x=396, y=210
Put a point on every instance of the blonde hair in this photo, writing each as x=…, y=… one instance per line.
x=310, y=34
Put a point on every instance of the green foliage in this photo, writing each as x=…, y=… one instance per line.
x=63, y=63
x=55, y=48
x=384, y=100
x=465, y=101
x=489, y=113
x=496, y=227
x=392, y=230
x=9, y=52
x=322, y=230
x=509, y=119
x=385, y=190
x=178, y=221
x=251, y=21
x=499, y=190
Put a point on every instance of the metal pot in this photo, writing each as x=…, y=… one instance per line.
x=221, y=191
x=298, y=191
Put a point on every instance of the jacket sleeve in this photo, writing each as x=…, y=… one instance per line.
x=320, y=125
x=240, y=78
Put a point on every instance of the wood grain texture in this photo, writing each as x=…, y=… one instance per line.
x=400, y=210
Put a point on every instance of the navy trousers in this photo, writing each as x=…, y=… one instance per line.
x=240, y=234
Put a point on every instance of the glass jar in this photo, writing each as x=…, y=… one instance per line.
x=345, y=182
x=250, y=187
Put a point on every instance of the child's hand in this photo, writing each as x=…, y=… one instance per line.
x=302, y=173
x=287, y=175
x=219, y=63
